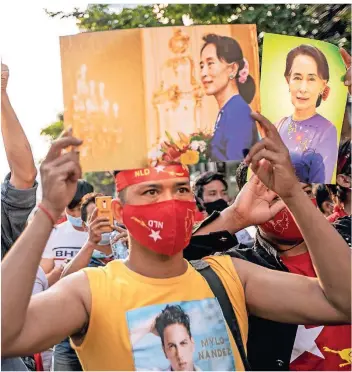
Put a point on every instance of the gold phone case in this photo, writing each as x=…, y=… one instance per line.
x=103, y=204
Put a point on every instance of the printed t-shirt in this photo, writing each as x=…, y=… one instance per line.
x=129, y=313
x=318, y=348
x=64, y=243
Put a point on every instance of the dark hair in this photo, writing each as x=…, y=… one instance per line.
x=322, y=194
x=121, y=194
x=344, y=158
x=229, y=50
x=316, y=54
x=172, y=314
x=86, y=200
x=83, y=188
x=205, y=179
x=241, y=175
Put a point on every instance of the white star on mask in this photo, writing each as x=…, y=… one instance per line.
x=160, y=168
x=305, y=341
x=155, y=235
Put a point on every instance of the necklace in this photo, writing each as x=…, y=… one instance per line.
x=286, y=250
x=297, y=134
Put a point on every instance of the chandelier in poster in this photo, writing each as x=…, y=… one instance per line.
x=141, y=96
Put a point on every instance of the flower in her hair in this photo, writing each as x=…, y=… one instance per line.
x=190, y=157
x=243, y=74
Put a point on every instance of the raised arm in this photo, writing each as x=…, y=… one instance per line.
x=17, y=147
x=253, y=206
x=80, y=261
x=286, y=297
x=270, y=161
x=46, y=322
x=96, y=227
x=26, y=325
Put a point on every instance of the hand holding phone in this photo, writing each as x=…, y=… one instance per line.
x=103, y=204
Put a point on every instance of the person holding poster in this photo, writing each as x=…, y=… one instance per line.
x=302, y=91
x=225, y=75
x=157, y=207
x=311, y=138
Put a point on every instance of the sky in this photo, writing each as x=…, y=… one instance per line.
x=29, y=45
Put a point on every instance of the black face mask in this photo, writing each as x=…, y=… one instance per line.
x=217, y=205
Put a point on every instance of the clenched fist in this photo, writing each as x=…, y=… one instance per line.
x=60, y=173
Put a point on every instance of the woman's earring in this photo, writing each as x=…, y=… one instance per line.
x=232, y=76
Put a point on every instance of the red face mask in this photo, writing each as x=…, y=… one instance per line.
x=283, y=226
x=164, y=227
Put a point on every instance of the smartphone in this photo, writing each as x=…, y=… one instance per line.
x=103, y=204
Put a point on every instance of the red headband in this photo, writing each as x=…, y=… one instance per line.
x=161, y=172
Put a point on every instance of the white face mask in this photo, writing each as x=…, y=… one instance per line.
x=105, y=238
x=75, y=221
x=100, y=255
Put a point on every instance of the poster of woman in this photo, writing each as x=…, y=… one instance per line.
x=306, y=101
x=140, y=96
x=225, y=75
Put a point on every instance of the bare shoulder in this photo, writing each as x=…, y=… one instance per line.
x=246, y=270
x=76, y=286
x=241, y=268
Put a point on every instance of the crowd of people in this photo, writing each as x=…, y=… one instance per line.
x=180, y=282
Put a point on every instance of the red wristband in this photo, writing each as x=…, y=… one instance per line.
x=51, y=218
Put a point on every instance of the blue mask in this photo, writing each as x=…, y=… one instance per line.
x=100, y=255
x=75, y=221
x=105, y=239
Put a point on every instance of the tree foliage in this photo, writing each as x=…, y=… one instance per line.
x=328, y=22
x=53, y=130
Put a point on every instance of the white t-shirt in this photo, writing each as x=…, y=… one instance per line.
x=64, y=243
x=41, y=282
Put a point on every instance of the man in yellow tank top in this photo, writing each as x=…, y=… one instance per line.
x=154, y=311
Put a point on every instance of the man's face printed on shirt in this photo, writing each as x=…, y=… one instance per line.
x=178, y=347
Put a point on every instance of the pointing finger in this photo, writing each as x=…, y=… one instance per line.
x=60, y=144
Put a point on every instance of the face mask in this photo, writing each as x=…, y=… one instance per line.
x=100, y=255
x=283, y=226
x=75, y=221
x=217, y=205
x=164, y=227
x=105, y=238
